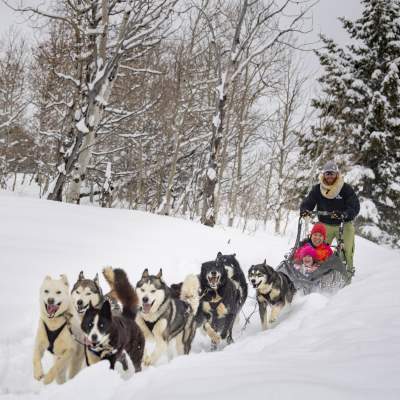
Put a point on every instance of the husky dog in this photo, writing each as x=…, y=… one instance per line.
x=54, y=335
x=163, y=317
x=86, y=291
x=274, y=290
x=110, y=336
x=220, y=302
x=235, y=273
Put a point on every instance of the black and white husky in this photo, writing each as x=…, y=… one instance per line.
x=274, y=291
x=111, y=336
x=235, y=273
x=163, y=317
x=220, y=302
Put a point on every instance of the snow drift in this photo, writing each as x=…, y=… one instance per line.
x=346, y=346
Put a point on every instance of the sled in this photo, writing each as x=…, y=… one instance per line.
x=329, y=277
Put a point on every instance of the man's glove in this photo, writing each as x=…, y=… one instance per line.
x=305, y=213
x=338, y=215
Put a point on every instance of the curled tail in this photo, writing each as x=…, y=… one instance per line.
x=190, y=292
x=122, y=290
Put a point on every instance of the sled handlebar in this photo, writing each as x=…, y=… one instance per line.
x=334, y=214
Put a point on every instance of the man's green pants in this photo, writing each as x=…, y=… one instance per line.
x=332, y=231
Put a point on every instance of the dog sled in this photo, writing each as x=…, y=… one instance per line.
x=329, y=277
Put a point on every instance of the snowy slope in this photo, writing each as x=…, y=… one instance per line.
x=346, y=346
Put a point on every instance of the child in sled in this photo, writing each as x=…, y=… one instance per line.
x=306, y=263
x=317, y=242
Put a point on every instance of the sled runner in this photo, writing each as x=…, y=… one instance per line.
x=329, y=277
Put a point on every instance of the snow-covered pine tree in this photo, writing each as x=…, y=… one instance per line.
x=359, y=120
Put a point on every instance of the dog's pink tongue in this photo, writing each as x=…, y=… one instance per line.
x=146, y=308
x=86, y=341
x=52, y=308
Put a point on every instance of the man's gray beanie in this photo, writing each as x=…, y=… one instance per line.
x=330, y=166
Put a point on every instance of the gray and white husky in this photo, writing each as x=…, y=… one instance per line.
x=56, y=317
x=162, y=317
x=88, y=291
x=274, y=291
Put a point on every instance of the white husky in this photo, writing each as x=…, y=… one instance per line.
x=56, y=316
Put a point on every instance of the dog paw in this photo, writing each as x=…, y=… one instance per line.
x=147, y=360
x=215, y=338
x=38, y=374
x=48, y=378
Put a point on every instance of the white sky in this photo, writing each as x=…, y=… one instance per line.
x=325, y=21
x=325, y=17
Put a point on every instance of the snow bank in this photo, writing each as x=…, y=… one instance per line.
x=346, y=346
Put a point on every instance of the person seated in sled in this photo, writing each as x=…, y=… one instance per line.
x=317, y=241
x=307, y=261
x=332, y=194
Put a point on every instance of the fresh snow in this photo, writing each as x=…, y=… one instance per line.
x=342, y=347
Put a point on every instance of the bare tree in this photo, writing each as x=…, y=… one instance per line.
x=263, y=22
x=105, y=33
x=12, y=101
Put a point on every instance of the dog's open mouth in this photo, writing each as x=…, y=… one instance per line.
x=213, y=280
x=81, y=308
x=146, y=307
x=88, y=342
x=51, y=309
x=256, y=284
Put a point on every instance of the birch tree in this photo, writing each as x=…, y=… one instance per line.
x=105, y=32
x=12, y=100
x=263, y=20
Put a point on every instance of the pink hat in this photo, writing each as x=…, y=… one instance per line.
x=308, y=251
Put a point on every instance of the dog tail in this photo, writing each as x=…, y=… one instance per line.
x=122, y=290
x=190, y=292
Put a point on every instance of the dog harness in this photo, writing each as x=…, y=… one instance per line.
x=98, y=353
x=53, y=335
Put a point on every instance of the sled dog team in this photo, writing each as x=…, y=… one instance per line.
x=83, y=326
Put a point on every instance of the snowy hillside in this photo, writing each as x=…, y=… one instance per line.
x=342, y=347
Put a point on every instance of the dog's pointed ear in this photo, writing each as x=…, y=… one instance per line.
x=219, y=254
x=47, y=278
x=106, y=310
x=159, y=275
x=64, y=279
x=265, y=262
x=234, y=255
x=81, y=276
x=145, y=273
x=96, y=280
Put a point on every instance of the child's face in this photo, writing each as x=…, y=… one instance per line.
x=308, y=261
x=317, y=239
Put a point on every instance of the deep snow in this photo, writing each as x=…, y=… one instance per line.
x=346, y=346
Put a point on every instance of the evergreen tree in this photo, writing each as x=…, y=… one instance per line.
x=359, y=115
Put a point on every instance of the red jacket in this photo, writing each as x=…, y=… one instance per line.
x=323, y=251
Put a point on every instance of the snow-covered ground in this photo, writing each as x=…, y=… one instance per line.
x=341, y=347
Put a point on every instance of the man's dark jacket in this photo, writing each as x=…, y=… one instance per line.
x=346, y=202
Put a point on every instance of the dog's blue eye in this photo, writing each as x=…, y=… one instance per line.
x=90, y=325
x=101, y=325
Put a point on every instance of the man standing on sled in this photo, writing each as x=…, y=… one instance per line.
x=332, y=194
